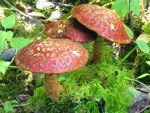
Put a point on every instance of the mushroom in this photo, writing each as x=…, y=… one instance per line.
x=104, y=22
x=52, y=57
x=68, y=29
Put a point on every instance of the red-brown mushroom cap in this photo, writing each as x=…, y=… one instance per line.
x=52, y=56
x=103, y=21
x=68, y=29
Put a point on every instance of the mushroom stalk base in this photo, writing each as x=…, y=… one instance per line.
x=52, y=87
x=97, y=50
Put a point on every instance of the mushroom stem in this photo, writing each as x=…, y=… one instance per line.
x=52, y=86
x=97, y=50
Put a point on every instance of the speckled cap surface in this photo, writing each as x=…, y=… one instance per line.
x=105, y=22
x=68, y=29
x=52, y=56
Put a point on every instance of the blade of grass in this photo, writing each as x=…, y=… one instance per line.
x=139, y=83
x=126, y=56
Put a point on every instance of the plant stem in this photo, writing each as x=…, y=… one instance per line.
x=21, y=105
x=13, y=67
x=107, y=4
x=130, y=16
x=97, y=50
x=127, y=55
x=52, y=87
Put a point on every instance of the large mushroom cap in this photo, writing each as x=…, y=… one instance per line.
x=69, y=29
x=52, y=56
x=103, y=21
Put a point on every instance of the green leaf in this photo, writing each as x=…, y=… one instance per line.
x=8, y=22
x=6, y=35
x=129, y=31
x=14, y=102
x=60, y=79
x=135, y=7
x=133, y=92
x=144, y=37
x=9, y=35
x=3, y=66
x=3, y=45
x=2, y=36
x=8, y=106
x=143, y=46
x=148, y=62
x=19, y=42
x=121, y=7
x=143, y=75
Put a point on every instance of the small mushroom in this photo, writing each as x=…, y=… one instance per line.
x=52, y=57
x=68, y=29
x=105, y=22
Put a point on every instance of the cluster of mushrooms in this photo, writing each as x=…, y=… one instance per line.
x=63, y=53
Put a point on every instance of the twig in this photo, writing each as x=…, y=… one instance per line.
x=144, y=109
x=14, y=67
x=21, y=104
x=22, y=13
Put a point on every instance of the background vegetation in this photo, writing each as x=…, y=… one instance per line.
x=111, y=86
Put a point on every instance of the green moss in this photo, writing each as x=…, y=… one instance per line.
x=35, y=33
x=39, y=99
x=147, y=111
x=100, y=81
x=10, y=84
x=85, y=88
